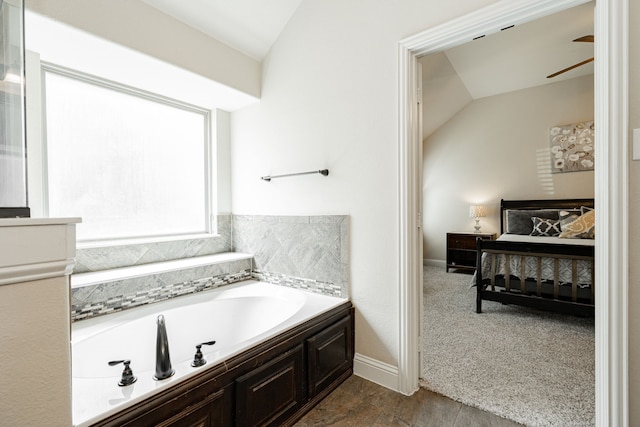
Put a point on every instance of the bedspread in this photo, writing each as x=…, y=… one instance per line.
x=565, y=268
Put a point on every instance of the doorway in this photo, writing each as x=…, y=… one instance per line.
x=611, y=178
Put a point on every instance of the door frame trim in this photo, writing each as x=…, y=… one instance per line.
x=611, y=186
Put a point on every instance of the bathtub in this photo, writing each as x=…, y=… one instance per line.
x=237, y=317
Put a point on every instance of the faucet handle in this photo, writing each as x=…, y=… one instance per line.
x=198, y=358
x=127, y=374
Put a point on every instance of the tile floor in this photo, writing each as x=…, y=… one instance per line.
x=358, y=402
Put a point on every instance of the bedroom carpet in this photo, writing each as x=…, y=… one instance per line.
x=530, y=366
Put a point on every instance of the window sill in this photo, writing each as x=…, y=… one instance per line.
x=88, y=279
x=143, y=240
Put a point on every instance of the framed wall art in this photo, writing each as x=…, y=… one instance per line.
x=572, y=147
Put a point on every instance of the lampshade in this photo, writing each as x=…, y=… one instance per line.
x=477, y=211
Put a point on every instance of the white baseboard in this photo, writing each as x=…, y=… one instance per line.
x=375, y=371
x=434, y=263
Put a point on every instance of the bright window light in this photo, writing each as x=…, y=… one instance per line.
x=131, y=164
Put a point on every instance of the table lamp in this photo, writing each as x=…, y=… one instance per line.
x=476, y=212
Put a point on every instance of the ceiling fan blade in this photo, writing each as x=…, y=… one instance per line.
x=584, y=39
x=569, y=68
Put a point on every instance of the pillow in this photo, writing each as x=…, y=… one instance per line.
x=519, y=220
x=545, y=227
x=578, y=227
x=585, y=209
x=567, y=217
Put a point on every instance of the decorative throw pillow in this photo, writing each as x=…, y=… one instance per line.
x=545, y=227
x=567, y=217
x=585, y=209
x=519, y=220
x=582, y=227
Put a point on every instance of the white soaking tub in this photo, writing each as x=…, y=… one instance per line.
x=237, y=317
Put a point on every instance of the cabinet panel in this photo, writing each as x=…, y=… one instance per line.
x=329, y=355
x=271, y=393
x=208, y=413
x=189, y=410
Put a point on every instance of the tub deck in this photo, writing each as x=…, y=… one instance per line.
x=238, y=317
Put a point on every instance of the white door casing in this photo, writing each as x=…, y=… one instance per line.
x=611, y=176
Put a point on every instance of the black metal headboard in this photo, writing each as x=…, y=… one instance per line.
x=541, y=204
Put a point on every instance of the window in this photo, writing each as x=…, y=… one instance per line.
x=130, y=163
x=13, y=183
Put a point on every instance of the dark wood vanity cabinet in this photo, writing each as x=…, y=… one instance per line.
x=272, y=384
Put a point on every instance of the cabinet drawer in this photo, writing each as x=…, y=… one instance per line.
x=461, y=241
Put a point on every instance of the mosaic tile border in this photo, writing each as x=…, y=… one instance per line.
x=161, y=293
x=310, y=285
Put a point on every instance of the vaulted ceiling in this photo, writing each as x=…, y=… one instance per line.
x=523, y=56
x=516, y=58
x=249, y=26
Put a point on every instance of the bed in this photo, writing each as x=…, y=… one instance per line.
x=544, y=257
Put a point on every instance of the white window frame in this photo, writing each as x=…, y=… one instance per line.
x=39, y=189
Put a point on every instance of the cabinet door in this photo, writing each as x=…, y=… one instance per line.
x=185, y=410
x=271, y=393
x=330, y=354
x=208, y=413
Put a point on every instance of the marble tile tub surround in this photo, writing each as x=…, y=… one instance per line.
x=106, y=258
x=109, y=297
x=305, y=252
x=308, y=252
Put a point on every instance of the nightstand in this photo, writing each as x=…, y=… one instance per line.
x=462, y=249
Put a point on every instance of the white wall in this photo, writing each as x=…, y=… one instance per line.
x=136, y=25
x=220, y=128
x=36, y=257
x=498, y=147
x=35, y=354
x=330, y=99
x=443, y=92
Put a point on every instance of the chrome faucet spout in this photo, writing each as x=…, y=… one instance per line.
x=163, y=359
